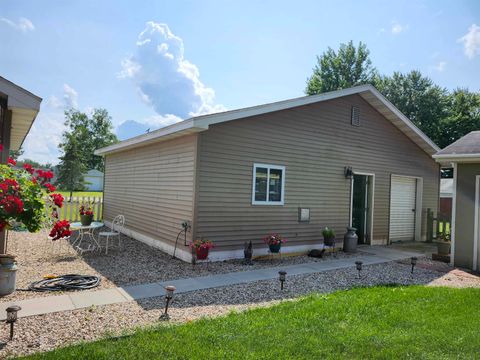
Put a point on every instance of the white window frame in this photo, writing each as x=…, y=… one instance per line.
x=268, y=167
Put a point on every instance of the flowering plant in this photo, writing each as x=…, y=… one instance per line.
x=274, y=239
x=86, y=209
x=202, y=244
x=22, y=194
x=61, y=229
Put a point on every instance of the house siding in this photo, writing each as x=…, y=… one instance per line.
x=464, y=214
x=153, y=187
x=314, y=142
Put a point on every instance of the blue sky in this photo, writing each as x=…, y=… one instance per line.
x=155, y=62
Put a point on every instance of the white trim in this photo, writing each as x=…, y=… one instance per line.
x=221, y=255
x=462, y=158
x=268, y=167
x=201, y=123
x=372, y=197
x=180, y=253
x=418, y=206
x=475, y=223
x=454, y=214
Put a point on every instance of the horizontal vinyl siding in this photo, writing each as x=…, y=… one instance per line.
x=153, y=186
x=464, y=214
x=314, y=142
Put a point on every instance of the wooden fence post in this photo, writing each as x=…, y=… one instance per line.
x=429, y=225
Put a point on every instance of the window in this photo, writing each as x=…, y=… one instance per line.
x=268, y=184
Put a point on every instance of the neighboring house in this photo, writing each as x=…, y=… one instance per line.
x=93, y=180
x=464, y=156
x=446, y=191
x=239, y=175
x=18, y=109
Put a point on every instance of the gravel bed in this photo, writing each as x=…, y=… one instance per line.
x=46, y=332
x=137, y=263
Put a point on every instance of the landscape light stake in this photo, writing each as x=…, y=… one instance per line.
x=359, y=267
x=12, y=315
x=413, y=262
x=282, y=276
x=168, y=296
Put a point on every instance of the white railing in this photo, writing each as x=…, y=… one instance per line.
x=69, y=210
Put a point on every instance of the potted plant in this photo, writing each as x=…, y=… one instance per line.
x=328, y=236
x=202, y=247
x=23, y=203
x=274, y=242
x=86, y=214
x=443, y=244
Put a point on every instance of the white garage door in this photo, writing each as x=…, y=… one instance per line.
x=402, y=208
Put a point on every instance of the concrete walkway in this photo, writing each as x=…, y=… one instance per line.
x=79, y=300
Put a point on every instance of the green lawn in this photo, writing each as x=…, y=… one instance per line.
x=382, y=323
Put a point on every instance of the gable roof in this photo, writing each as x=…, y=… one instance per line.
x=465, y=149
x=202, y=123
x=24, y=106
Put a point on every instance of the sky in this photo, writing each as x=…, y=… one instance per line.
x=153, y=63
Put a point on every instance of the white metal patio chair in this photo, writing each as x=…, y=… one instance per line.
x=117, y=226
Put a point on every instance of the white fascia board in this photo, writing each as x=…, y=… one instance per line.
x=201, y=123
x=457, y=158
x=211, y=119
x=183, y=127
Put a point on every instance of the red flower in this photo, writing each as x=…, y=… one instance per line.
x=29, y=168
x=1, y=147
x=12, y=204
x=11, y=162
x=60, y=230
x=50, y=187
x=57, y=199
x=44, y=176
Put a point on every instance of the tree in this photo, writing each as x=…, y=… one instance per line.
x=416, y=96
x=72, y=164
x=92, y=133
x=348, y=67
x=463, y=117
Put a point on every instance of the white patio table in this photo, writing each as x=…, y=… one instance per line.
x=84, y=233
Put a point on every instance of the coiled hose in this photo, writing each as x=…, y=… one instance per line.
x=65, y=283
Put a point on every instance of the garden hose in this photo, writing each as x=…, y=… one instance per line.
x=65, y=283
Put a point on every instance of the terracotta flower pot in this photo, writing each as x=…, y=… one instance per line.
x=202, y=253
x=275, y=248
x=86, y=220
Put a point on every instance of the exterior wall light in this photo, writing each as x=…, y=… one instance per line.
x=282, y=275
x=359, y=264
x=413, y=262
x=348, y=172
x=168, y=297
x=12, y=316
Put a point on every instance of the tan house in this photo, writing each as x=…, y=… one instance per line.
x=18, y=110
x=347, y=157
x=464, y=156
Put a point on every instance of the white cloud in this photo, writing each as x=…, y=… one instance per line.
x=23, y=24
x=471, y=41
x=70, y=96
x=45, y=135
x=440, y=66
x=165, y=79
x=397, y=28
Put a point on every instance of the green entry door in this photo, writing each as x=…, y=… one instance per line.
x=360, y=207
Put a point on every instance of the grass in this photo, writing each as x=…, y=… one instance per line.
x=375, y=323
